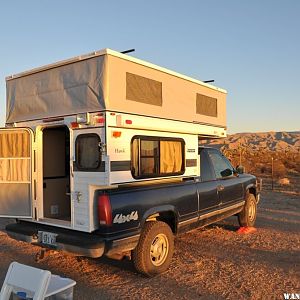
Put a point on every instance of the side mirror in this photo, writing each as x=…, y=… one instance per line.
x=240, y=169
x=226, y=173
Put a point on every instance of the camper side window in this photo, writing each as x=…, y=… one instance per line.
x=156, y=156
x=88, y=156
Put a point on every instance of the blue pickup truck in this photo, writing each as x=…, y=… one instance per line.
x=142, y=220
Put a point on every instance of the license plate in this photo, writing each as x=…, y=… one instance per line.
x=47, y=238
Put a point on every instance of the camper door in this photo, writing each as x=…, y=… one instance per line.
x=88, y=174
x=16, y=173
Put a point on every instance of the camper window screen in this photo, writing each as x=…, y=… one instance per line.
x=156, y=156
x=144, y=90
x=15, y=156
x=207, y=106
x=88, y=156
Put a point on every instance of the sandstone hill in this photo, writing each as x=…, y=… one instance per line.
x=258, y=152
x=266, y=141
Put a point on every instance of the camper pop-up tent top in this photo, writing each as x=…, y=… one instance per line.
x=99, y=121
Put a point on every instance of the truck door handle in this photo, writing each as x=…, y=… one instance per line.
x=220, y=188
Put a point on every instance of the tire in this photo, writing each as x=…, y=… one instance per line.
x=154, y=252
x=247, y=216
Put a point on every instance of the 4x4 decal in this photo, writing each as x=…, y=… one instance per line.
x=120, y=218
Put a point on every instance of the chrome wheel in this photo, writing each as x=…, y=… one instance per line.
x=155, y=248
x=159, y=249
x=247, y=216
x=252, y=211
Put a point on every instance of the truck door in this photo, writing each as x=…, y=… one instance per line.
x=230, y=188
x=16, y=192
x=207, y=187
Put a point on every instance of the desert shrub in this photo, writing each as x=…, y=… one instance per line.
x=263, y=169
x=279, y=169
x=284, y=181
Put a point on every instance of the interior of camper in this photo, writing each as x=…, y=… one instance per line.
x=56, y=173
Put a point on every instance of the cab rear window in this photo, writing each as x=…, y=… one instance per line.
x=221, y=165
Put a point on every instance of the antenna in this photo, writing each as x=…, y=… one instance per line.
x=207, y=81
x=127, y=51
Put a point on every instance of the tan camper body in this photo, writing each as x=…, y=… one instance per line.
x=97, y=122
x=109, y=80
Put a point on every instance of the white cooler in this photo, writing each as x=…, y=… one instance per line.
x=60, y=288
x=25, y=282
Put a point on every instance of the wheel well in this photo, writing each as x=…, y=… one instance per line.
x=252, y=190
x=168, y=217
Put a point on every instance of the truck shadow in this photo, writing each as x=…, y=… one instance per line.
x=229, y=224
x=124, y=264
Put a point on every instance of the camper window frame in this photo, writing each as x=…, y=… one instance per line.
x=80, y=136
x=159, y=139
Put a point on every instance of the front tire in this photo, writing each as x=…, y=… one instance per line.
x=247, y=216
x=154, y=251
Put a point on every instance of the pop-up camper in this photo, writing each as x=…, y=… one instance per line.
x=100, y=157
x=99, y=121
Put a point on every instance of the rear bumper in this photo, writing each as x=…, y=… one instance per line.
x=75, y=242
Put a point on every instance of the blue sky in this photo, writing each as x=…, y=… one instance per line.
x=250, y=48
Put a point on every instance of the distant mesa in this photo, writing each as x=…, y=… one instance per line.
x=268, y=141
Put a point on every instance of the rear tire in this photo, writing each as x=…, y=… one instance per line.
x=154, y=251
x=247, y=216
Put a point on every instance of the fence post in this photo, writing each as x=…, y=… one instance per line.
x=272, y=173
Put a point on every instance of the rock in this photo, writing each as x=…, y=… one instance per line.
x=284, y=181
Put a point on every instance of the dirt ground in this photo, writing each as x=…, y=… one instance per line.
x=211, y=263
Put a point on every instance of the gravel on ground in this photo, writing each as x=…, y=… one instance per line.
x=209, y=263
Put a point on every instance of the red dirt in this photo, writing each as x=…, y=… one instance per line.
x=211, y=263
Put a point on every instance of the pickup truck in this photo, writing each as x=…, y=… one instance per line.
x=142, y=219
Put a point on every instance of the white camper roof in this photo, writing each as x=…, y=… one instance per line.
x=110, y=80
x=117, y=54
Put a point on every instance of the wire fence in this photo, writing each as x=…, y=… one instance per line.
x=279, y=171
x=288, y=183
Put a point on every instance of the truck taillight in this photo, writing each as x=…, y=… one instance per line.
x=104, y=210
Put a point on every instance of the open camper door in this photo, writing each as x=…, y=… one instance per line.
x=88, y=174
x=16, y=172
